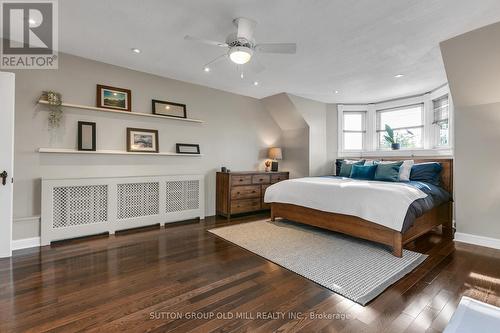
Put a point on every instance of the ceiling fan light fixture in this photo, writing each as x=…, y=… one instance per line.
x=240, y=54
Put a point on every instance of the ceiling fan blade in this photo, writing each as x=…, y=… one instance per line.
x=256, y=66
x=286, y=48
x=245, y=28
x=205, y=41
x=216, y=60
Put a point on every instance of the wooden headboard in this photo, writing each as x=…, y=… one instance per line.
x=446, y=174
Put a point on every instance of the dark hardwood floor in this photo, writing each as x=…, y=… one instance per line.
x=183, y=279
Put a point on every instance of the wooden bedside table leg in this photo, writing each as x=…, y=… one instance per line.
x=273, y=218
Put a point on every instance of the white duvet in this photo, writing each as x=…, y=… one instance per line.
x=384, y=203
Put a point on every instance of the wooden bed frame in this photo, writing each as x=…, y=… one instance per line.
x=358, y=227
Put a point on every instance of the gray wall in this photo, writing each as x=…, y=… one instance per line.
x=472, y=63
x=236, y=134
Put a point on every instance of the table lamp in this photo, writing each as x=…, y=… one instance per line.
x=275, y=154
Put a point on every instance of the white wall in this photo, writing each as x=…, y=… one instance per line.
x=236, y=134
x=295, y=134
x=305, y=123
x=314, y=113
x=472, y=63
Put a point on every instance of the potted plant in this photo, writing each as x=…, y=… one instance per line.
x=389, y=137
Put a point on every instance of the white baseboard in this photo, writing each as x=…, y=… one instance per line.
x=25, y=243
x=478, y=240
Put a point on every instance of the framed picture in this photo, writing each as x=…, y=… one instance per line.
x=86, y=136
x=187, y=148
x=114, y=98
x=169, y=109
x=142, y=140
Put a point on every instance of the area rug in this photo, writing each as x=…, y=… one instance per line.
x=354, y=268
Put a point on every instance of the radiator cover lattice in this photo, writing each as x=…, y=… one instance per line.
x=182, y=195
x=80, y=205
x=138, y=199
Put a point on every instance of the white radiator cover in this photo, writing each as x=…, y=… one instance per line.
x=78, y=207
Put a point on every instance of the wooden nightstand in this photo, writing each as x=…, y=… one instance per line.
x=243, y=192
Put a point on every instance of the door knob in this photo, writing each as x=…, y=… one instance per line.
x=4, y=175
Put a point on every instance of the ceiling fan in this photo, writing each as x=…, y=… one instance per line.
x=241, y=45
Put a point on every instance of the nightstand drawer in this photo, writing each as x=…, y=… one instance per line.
x=246, y=205
x=278, y=177
x=245, y=192
x=261, y=179
x=241, y=180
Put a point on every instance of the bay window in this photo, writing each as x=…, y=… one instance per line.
x=421, y=124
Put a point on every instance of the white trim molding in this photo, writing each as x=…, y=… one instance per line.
x=19, y=244
x=478, y=240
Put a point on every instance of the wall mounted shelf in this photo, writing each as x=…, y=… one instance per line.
x=93, y=108
x=108, y=152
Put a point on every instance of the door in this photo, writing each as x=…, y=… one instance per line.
x=7, y=85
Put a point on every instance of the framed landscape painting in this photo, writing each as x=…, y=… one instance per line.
x=142, y=140
x=114, y=98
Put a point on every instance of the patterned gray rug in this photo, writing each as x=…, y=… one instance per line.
x=354, y=268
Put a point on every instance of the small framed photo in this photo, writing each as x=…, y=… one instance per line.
x=187, y=148
x=169, y=109
x=86, y=136
x=114, y=98
x=142, y=140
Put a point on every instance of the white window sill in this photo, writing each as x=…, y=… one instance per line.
x=443, y=152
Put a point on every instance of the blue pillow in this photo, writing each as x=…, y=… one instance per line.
x=345, y=168
x=388, y=172
x=427, y=172
x=365, y=172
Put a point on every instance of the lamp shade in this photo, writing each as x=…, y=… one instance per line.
x=275, y=153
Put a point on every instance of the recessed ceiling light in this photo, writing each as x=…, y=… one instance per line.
x=255, y=83
x=242, y=76
x=397, y=76
x=336, y=91
x=136, y=50
x=206, y=69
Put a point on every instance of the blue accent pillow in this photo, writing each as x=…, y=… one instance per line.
x=365, y=172
x=427, y=172
x=388, y=172
x=345, y=168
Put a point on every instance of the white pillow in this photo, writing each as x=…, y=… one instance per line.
x=404, y=170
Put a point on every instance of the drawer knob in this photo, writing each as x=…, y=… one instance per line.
x=241, y=180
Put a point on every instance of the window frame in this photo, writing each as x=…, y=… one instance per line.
x=362, y=131
x=340, y=120
x=378, y=112
x=430, y=135
x=435, y=125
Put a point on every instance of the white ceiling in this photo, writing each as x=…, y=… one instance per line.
x=355, y=47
